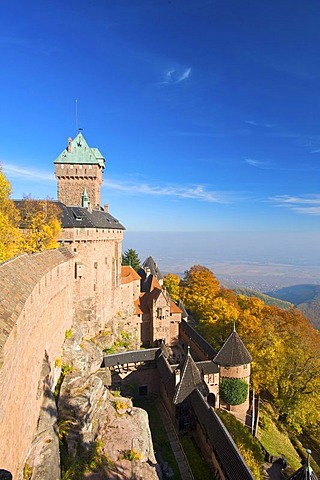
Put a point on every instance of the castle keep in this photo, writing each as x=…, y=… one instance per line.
x=79, y=171
x=83, y=286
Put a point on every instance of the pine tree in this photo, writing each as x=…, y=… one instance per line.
x=131, y=258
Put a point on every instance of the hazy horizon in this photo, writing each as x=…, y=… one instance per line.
x=264, y=260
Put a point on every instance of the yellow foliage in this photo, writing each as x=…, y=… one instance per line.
x=40, y=223
x=121, y=405
x=284, y=346
x=172, y=283
x=200, y=287
x=252, y=463
x=32, y=228
x=217, y=325
x=10, y=235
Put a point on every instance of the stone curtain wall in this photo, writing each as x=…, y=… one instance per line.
x=97, y=276
x=36, y=309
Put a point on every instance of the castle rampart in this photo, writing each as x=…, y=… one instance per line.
x=36, y=300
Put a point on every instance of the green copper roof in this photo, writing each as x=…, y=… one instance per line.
x=79, y=152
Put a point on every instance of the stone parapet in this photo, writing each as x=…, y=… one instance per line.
x=36, y=309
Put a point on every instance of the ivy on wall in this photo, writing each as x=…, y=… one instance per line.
x=233, y=391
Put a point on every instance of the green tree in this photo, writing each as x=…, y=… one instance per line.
x=172, y=283
x=131, y=258
x=233, y=391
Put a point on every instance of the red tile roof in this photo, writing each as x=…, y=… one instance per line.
x=174, y=308
x=128, y=274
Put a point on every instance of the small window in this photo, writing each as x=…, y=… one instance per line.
x=143, y=391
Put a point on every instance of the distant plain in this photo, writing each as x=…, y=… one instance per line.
x=261, y=261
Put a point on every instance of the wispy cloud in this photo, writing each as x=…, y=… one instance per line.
x=257, y=124
x=175, y=76
x=258, y=164
x=185, y=75
x=276, y=166
x=15, y=171
x=195, y=192
x=308, y=204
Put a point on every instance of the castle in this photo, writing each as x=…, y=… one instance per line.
x=43, y=295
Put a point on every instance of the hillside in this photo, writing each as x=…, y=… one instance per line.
x=267, y=299
x=305, y=297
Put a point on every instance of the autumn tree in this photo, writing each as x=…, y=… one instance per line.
x=221, y=320
x=131, y=258
x=10, y=235
x=40, y=224
x=172, y=283
x=286, y=352
x=199, y=289
x=285, y=347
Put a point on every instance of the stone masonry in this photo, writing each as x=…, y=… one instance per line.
x=36, y=299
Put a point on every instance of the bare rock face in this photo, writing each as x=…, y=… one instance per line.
x=126, y=433
x=95, y=416
x=44, y=460
x=92, y=423
x=81, y=405
x=83, y=356
x=96, y=419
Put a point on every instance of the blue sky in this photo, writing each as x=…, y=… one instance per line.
x=207, y=111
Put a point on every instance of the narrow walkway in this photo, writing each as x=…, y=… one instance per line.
x=272, y=471
x=176, y=446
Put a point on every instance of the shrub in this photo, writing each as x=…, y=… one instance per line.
x=233, y=391
x=132, y=455
x=27, y=472
x=68, y=333
x=121, y=405
x=116, y=393
x=57, y=362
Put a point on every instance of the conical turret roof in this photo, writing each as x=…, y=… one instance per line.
x=150, y=266
x=190, y=380
x=233, y=352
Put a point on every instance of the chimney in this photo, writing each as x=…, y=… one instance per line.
x=106, y=207
x=69, y=145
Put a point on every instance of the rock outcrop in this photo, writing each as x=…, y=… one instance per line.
x=101, y=434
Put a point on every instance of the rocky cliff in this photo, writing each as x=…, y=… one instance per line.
x=92, y=432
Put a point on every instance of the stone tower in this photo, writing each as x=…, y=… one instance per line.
x=234, y=360
x=79, y=170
